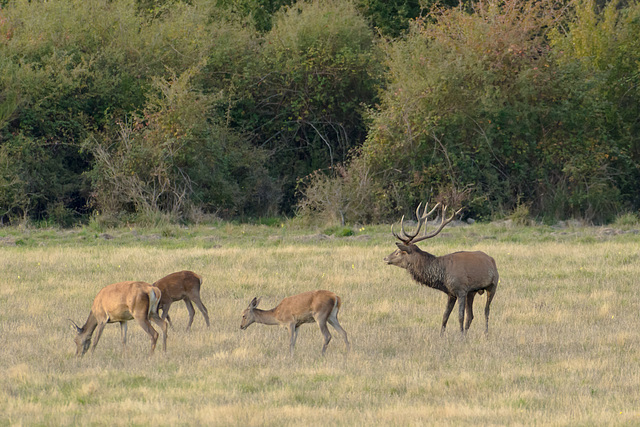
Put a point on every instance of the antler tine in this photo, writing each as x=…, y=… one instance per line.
x=395, y=234
x=443, y=223
x=421, y=221
x=427, y=215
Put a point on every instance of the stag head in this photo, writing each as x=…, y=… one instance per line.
x=407, y=245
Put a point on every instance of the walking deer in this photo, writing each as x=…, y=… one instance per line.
x=182, y=285
x=121, y=302
x=319, y=306
x=460, y=275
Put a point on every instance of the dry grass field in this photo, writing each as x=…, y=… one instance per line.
x=563, y=349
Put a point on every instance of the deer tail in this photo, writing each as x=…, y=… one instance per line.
x=154, y=299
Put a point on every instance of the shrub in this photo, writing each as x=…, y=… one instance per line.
x=345, y=196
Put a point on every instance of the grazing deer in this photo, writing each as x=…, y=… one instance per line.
x=121, y=302
x=182, y=285
x=319, y=306
x=460, y=275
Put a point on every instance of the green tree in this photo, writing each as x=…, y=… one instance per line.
x=478, y=98
x=318, y=68
x=604, y=44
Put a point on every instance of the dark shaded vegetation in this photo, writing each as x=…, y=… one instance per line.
x=149, y=111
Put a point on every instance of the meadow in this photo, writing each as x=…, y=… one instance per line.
x=563, y=347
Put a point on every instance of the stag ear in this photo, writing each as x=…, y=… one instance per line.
x=403, y=247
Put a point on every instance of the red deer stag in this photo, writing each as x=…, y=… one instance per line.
x=319, y=306
x=460, y=275
x=121, y=302
x=182, y=285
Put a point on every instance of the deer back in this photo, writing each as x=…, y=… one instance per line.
x=178, y=285
x=304, y=306
x=119, y=301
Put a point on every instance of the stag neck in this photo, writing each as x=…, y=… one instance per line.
x=428, y=270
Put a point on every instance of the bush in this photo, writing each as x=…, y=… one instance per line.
x=344, y=197
x=175, y=158
x=482, y=99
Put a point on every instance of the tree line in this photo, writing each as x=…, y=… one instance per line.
x=346, y=111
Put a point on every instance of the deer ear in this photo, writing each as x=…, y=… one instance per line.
x=254, y=302
x=403, y=247
x=75, y=327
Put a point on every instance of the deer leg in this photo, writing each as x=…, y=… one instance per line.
x=146, y=326
x=326, y=333
x=191, y=311
x=462, y=305
x=333, y=321
x=447, y=311
x=470, y=298
x=99, y=330
x=293, y=330
x=491, y=292
x=202, y=309
x=163, y=326
x=123, y=334
x=165, y=313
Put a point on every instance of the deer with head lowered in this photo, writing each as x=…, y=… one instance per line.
x=319, y=306
x=182, y=285
x=460, y=275
x=121, y=302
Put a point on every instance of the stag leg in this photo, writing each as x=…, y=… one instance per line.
x=462, y=305
x=470, y=298
x=333, y=321
x=191, y=311
x=99, y=330
x=447, y=311
x=202, y=309
x=491, y=292
x=123, y=334
x=163, y=327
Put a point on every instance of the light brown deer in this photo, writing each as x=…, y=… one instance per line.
x=460, y=275
x=121, y=302
x=319, y=306
x=182, y=285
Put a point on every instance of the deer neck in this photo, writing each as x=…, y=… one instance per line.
x=266, y=317
x=89, y=326
x=427, y=270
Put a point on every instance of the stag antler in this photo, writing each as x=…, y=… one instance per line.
x=411, y=238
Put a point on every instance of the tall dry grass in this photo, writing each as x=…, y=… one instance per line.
x=564, y=344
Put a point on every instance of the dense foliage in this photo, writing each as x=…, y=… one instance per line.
x=350, y=111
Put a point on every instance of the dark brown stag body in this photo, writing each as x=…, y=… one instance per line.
x=460, y=275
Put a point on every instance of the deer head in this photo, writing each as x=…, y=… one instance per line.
x=248, y=316
x=83, y=341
